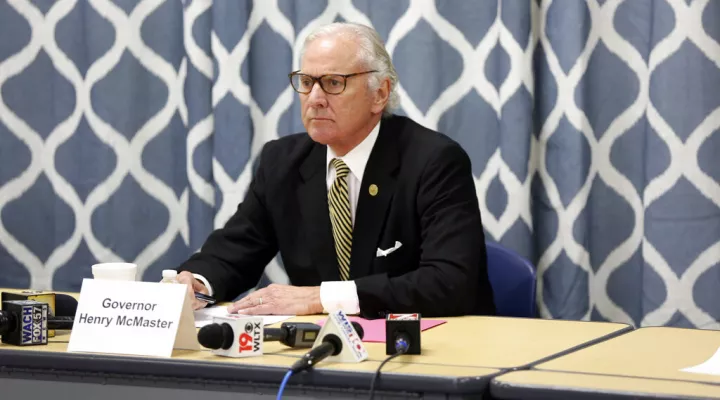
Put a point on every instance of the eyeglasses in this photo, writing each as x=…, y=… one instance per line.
x=330, y=84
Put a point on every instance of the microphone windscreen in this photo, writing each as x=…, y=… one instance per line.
x=65, y=305
x=228, y=335
x=211, y=336
x=358, y=329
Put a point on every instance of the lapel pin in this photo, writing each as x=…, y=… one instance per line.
x=373, y=190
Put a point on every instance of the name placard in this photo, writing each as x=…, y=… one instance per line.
x=138, y=318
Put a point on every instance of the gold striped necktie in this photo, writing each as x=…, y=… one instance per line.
x=339, y=201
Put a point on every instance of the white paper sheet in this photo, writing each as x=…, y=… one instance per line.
x=711, y=366
x=204, y=316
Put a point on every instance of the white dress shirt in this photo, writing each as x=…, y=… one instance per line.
x=340, y=295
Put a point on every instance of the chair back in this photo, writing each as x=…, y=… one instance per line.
x=513, y=282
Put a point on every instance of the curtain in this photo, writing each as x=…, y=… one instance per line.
x=129, y=130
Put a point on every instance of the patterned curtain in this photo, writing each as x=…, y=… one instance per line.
x=129, y=130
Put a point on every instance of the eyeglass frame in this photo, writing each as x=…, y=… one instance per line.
x=318, y=80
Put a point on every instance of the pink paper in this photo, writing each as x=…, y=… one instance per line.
x=374, y=329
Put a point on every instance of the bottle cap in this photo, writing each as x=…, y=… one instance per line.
x=169, y=274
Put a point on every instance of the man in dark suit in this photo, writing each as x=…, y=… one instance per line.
x=371, y=212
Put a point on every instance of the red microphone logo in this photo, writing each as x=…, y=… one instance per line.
x=250, y=339
x=403, y=317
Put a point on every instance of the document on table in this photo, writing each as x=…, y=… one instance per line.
x=375, y=328
x=204, y=316
x=711, y=366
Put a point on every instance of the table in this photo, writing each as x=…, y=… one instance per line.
x=197, y=374
x=646, y=361
x=653, y=352
x=534, y=384
x=459, y=360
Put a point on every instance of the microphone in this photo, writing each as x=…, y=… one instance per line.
x=60, y=306
x=402, y=334
x=36, y=295
x=65, y=305
x=24, y=322
x=293, y=334
x=216, y=336
x=339, y=339
x=60, y=323
x=233, y=336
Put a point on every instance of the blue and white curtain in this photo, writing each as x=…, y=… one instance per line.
x=129, y=130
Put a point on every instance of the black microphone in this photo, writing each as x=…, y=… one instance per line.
x=331, y=346
x=60, y=323
x=8, y=322
x=216, y=336
x=24, y=322
x=65, y=305
x=58, y=304
x=65, y=308
x=402, y=334
x=291, y=334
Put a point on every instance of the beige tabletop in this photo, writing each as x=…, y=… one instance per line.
x=474, y=341
x=653, y=352
x=526, y=383
x=493, y=342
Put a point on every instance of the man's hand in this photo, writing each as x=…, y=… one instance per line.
x=193, y=285
x=280, y=300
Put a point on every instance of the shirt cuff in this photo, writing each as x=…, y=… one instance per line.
x=205, y=282
x=340, y=295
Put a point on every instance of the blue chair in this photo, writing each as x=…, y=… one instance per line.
x=513, y=282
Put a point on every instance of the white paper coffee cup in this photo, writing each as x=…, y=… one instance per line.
x=115, y=271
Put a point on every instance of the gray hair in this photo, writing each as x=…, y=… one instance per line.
x=372, y=54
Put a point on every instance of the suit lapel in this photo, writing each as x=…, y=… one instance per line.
x=313, y=202
x=371, y=213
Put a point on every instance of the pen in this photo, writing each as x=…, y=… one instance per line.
x=205, y=298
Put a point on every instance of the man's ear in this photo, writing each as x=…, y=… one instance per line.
x=381, y=96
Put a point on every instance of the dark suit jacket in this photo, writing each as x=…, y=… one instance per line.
x=426, y=201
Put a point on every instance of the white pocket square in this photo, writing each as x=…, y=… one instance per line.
x=384, y=253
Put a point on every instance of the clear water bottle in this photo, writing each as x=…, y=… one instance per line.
x=169, y=276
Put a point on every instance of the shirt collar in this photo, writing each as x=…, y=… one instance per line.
x=357, y=158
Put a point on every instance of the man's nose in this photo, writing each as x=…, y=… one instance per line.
x=317, y=97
